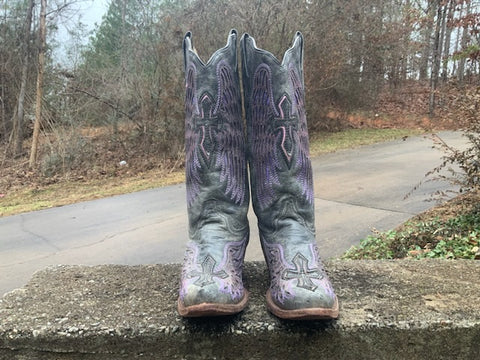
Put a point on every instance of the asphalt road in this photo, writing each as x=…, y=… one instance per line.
x=355, y=191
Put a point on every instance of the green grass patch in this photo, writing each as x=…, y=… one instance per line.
x=457, y=237
x=68, y=192
x=321, y=143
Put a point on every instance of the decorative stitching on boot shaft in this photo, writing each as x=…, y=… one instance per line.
x=214, y=131
x=305, y=175
x=278, y=136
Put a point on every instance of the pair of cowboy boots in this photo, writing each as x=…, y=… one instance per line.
x=277, y=151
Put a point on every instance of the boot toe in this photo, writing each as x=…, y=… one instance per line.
x=308, y=299
x=304, y=305
x=210, y=301
x=195, y=295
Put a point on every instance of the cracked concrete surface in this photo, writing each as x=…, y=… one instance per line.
x=401, y=309
x=355, y=191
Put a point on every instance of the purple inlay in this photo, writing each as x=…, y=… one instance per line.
x=230, y=138
x=204, y=271
x=324, y=282
x=232, y=264
x=263, y=140
x=287, y=154
x=189, y=265
x=285, y=278
x=215, y=130
x=280, y=289
x=192, y=138
x=282, y=116
x=303, y=162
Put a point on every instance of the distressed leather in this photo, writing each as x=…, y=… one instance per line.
x=216, y=181
x=281, y=179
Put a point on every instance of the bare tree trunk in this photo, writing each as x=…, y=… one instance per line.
x=3, y=134
x=3, y=113
x=41, y=68
x=463, y=44
x=457, y=43
x=437, y=52
x=442, y=37
x=427, y=49
x=18, y=126
x=448, y=36
x=406, y=48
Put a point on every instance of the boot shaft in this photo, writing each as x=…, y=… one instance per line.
x=217, y=185
x=216, y=175
x=278, y=148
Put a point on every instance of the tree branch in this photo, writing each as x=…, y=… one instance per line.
x=113, y=106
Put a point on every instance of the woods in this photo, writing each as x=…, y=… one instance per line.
x=126, y=81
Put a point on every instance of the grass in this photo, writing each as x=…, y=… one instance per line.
x=329, y=142
x=452, y=234
x=37, y=197
x=69, y=192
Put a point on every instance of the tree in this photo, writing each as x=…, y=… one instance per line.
x=129, y=76
x=448, y=25
x=18, y=149
x=464, y=42
x=131, y=73
x=437, y=53
x=428, y=21
x=41, y=68
x=16, y=69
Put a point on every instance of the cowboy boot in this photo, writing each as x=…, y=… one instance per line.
x=282, y=184
x=217, y=185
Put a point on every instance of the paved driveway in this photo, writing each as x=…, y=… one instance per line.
x=355, y=190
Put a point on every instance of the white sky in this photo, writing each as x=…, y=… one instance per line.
x=93, y=10
x=89, y=12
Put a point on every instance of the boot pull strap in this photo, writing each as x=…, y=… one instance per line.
x=243, y=44
x=233, y=34
x=295, y=50
x=299, y=37
x=298, y=41
x=187, y=45
x=244, y=52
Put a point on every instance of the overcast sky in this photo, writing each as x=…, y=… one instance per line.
x=93, y=11
x=89, y=12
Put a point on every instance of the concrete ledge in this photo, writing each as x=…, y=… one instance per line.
x=389, y=310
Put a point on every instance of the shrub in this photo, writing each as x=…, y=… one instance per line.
x=466, y=109
x=457, y=237
x=68, y=151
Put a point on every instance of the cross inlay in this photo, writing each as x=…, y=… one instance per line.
x=302, y=273
x=203, y=123
x=205, y=277
x=287, y=123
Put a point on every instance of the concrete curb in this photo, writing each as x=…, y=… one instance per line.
x=389, y=310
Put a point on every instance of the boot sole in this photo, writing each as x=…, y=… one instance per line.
x=211, y=309
x=303, y=314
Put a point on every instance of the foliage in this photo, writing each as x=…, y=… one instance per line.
x=463, y=165
x=70, y=150
x=373, y=247
x=12, y=40
x=456, y=237
x=130, y=71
